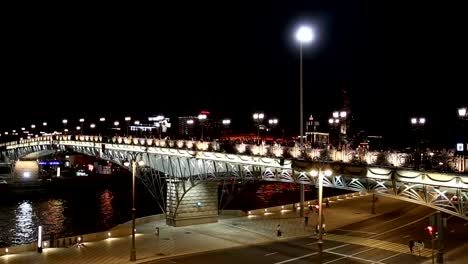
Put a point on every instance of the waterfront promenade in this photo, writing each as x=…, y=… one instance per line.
x=230, y=231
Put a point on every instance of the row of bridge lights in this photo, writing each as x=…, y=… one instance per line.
x=65, y=122
x=258, y=118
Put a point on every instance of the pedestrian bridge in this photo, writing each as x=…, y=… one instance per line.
x=193, y=171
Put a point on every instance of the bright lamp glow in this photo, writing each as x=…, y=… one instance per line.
x=330, y=120
x=136, y=122
x=81, y=120
x=44, y=124
x=190, y=122
x=201, y=116
x=116, y=123
x=126, y=163
x=127, y=118
x=226, y=122
x=343, y=114
x=92, y=125
x=102, y=119
x=33, y=126
x=64, y=121
x=27, y=174
x=414, y=120
x=304, y=34
x=78, y=128
x=462, y=112
x=314, y=173
x=336, y=114
x=422, y=120
x=141, y=163
x=328, y=172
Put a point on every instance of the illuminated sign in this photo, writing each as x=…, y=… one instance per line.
x=460, y=147
x=52, y=162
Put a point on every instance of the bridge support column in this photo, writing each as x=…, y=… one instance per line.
x=196, y=204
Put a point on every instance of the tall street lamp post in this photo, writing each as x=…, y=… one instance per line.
x=134, y=164
x=304, y=35
x=321, y=221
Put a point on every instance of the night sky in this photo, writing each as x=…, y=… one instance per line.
x=395, y=62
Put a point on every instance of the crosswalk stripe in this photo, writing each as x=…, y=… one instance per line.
x=374, y=243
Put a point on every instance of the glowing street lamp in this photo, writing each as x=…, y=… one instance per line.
x=258, y=118
x=304, y=35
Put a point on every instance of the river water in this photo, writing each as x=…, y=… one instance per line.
x=93, y=206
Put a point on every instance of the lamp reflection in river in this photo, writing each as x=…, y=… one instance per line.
x=24, y=221
x=106, y=207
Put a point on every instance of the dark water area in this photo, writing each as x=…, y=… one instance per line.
x=268, y=194
x=92, y=205
x=70, y=208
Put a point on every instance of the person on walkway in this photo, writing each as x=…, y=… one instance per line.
x=411, y=245
x=306, y=219
x=327, y=203
x=278, y=230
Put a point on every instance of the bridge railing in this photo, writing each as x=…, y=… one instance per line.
x=440, y=161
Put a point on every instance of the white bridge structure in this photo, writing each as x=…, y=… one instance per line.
x=185, y=176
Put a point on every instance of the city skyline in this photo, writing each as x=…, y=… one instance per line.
x=237, y=61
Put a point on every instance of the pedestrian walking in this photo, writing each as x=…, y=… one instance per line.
x=411, y=245
x=327, y=203
x=306, y=219
x=278, y=230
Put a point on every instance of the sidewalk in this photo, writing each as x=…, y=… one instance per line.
x=229, y=232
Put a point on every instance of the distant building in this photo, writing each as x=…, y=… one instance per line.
x=186, y=126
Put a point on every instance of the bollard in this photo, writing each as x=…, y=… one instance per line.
x=156, y=232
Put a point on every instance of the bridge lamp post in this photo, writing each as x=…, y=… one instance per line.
x=44, y=124
x=127, y=121
x=418, y=124
x=81, y=122
x=273, y=122
x=116, y=124
x=202, y=118
x=321, y=220
x=190, y=123
x=65, y=122
x=102, y=120
x=258, y=118
x=134, y=165
x=226, y=123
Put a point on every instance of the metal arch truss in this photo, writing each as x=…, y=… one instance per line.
x=441, y=191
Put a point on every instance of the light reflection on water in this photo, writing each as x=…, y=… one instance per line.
x=106, y=206
x=19, y=221
x=71, y=209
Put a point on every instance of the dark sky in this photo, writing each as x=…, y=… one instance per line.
x=395, y=61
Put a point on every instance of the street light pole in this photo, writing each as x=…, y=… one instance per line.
x=133, y=250
x=304, y=35
x=320, y=173
x=320, y=241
